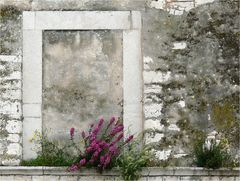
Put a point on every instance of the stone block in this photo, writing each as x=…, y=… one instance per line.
x=10, y=162
x=14, y=126
x=15, y=138
x=132, y=81
x=11, y=108
x=32, y=110
x=28, y=20
x=32, y=66
x=14, y=149
x=153, y=110
x=82, y=20
x=30, y=125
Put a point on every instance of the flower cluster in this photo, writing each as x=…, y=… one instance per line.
x=103, y=143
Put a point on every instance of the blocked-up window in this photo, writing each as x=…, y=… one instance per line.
x=78, y=65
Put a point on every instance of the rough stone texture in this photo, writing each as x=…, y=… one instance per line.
x=148, y=174
x=82, y=79
x=10, y=110
x=198, y=80
x=191, y=81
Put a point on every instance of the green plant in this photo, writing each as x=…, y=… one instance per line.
x=131, y=161
x=51, y=154
x=213, y=154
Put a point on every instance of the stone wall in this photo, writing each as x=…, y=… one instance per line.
x=148, y=174
x=191, y=81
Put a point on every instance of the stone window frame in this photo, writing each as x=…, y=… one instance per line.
x=35, y=22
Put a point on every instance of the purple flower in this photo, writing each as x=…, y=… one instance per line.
x=112, y=120
x=119, y=137
x=92, y=138
x=89, y=149
x=95, y=154
x=103, y=144
x=73, y=168
x=113, y=149
x=116, y=130
x=101, y=121
x=102, y=160
x=95, y=145
x=107, y=160
x=83, y=161
x=96, y=130
x=129, y=139
x=72, y=132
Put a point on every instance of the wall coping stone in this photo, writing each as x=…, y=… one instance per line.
x=148, y=171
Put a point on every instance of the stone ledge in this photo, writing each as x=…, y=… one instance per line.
x=150, y=171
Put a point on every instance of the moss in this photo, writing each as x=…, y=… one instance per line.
x=3, y=134
x=223, y=115
x=9, y=12
x=9, y=16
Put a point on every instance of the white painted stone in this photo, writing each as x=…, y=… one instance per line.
x=32, y=110
x=148, y=99
x=173, y=127
x=30, y=125
x=146, y=61
x=160, y=4
x=153, y=124
x=201, y=2
x=14, y=75
x=11, y=162
x=153, y=110
x=13, y=138
x=82, y=20
x=153, y=89
x=212, y=135
x=28, y=20
x=132, y=81
x=14, y=126
x=32, y=66
x=14, y=149
x=177, y=7
x=156, y=77
x=12, y=108
x=152, y=139
x=179, y=45
x=163, y=155
x=1, y=149
x=10, y=58
x=12, y=94
x=182, y=104
x=12, y=85
x=179, y=155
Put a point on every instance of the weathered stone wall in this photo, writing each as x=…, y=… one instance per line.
x=191, y=81
x=82, y=79
x=148, y=174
